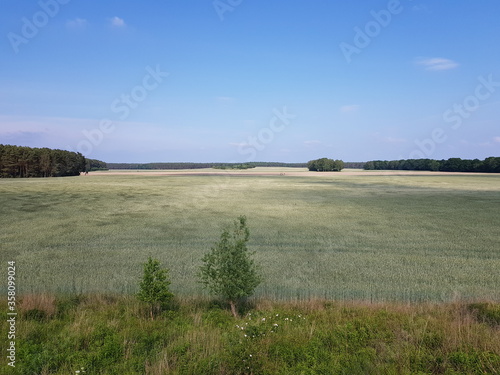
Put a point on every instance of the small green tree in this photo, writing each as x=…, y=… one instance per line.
x=228, y=270
x=154, y=287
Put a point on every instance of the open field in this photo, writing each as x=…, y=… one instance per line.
x=275, y=171
x=366, y=235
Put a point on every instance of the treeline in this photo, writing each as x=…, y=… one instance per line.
x=199, y=165
x=325, y=165
x=488, y=165
x=95, y=165
x=235, y=166
x=18, y=161
x=354, y=164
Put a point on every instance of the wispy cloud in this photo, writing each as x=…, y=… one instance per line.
x=117, y=22
x=496, y=139
x=312, y=143
x=437, y=63
x=77, y=23
x=349, y=108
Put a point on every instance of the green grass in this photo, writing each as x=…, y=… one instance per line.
x=405, y=238
x=108, y=335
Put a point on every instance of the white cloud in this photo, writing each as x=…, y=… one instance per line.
x=117, y=22
x=77, y=23
x=496, y=139
x=349, y=108
x=437, y=63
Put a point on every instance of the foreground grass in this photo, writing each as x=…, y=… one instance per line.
x=108, y=334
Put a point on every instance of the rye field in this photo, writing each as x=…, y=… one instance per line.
x=344, y=236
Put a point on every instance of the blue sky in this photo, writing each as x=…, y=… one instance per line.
x=240, y=80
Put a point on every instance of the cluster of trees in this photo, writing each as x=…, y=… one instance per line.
x=18, y=161
x=325, y=165
x=228, y=271
x=490, y=165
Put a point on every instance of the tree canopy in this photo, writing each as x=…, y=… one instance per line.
x=228, y=271
x=18, y=161
x=154, y=286
x=488, y=165
x=325, y=165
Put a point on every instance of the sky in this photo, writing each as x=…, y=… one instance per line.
x=241, y=81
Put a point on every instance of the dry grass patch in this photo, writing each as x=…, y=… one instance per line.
x=38, y=306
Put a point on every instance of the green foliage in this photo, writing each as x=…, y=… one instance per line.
x=488, y=312
x=154, y=286
x=95, y=165
x=228, y=271
x=16, y=161
x=325, y=165
x=488, y=165
x=108, y=336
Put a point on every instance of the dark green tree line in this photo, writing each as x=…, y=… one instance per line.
x=95, y=165
x=488, y=165
x=187, y=165
x=19, y=161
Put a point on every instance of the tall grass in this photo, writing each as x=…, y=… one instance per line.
x=375, y=238
x=107, y=334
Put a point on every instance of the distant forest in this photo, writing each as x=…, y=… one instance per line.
x=198, y=165
x=358, y=165
x=18, y=161
x=488, y=165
